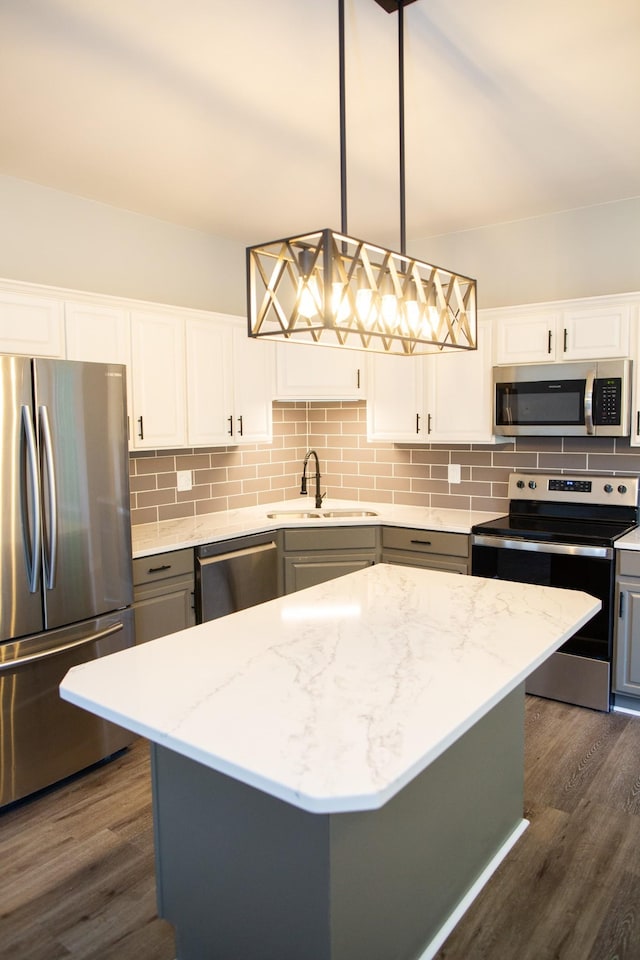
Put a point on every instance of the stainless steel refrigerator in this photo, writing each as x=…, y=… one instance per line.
x=65, y=560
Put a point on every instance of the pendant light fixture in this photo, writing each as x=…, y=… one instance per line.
x=329, y=288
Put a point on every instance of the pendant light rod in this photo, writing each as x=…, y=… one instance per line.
x=343, y=120
x=403, y=215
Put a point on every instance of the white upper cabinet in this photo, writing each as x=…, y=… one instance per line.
x=597, y=328
x=313, y=372
x=100, y=333
x=395, y=399
x=229, y=383
x=459, y=389
x=438, y=398
x=209, y=382
x=31, y=324
x=159, y=380
x=253, y=386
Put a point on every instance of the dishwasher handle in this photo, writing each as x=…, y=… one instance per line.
x=234, y=554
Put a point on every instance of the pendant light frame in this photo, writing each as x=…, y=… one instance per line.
x=332, y=289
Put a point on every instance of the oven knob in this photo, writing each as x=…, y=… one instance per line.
x=532, y=484
x=608, y=488
x=622, y=488
x=520, y=484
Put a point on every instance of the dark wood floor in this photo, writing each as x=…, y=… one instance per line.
x=77, y=881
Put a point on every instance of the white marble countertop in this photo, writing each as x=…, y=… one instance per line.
x=150, y=538
x=335, y=697
x=630, y=541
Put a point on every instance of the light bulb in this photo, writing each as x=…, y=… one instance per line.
x=308, y=294
x=308, y=297
x=389, y=304
x=339, y=302
x=412, y=310
x=364, y=297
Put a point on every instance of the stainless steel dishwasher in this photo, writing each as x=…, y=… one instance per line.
x=234, y=574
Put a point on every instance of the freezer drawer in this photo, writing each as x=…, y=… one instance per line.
x=235, y=574
x=43, y=738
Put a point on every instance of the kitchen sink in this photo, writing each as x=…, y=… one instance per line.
x=292, y=515
x=311, y=515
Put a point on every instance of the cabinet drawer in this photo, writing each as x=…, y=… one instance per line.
x=629, y=562
x=425, y=541
x=162, y=565
x=330, y=538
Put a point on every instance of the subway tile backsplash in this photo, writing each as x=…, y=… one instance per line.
x=352, y=468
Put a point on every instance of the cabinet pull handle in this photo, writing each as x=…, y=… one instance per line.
x=421, y=543
x=638, y=424
x=230, y=430
x=428, y=423
x=549, y=341
x=417, y=423
x=621, y=606
x=141, y=431
x=165, y=566
x=240, y=427
x=564, y=348
x=358, y=379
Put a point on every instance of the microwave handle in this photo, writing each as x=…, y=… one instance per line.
x=588, y=401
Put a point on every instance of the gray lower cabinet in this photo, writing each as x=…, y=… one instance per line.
x=163, y=598
x=313, y=555
x=426, y=548
x=626, y=667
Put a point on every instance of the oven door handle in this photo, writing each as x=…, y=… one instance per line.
x=536, y=546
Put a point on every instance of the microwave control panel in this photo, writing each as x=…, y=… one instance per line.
x=608, y=402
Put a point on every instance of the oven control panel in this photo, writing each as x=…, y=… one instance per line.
x=571, y=486
x=576, y=488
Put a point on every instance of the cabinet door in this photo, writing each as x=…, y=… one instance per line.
x=165, y=609
x=459, y=393
x=527, y=338
x=395, y=404
x=31, y=325
x=627, y=645
x=300, y=572
x=253, y=363
x=100, y=334
x=309, y=372
x=209, y=347
x=596, y=332
x=158, y=375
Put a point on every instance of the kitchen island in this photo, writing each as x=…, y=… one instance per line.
x=337, y=772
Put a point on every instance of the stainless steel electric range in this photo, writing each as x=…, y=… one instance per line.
x=560, y=532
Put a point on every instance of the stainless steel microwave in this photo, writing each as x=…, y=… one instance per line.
x=590, y=398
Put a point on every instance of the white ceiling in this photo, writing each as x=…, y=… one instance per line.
x=223, y=116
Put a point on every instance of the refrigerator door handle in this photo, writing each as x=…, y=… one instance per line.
x=44, y=654
x=51, y=548
x=30, y=486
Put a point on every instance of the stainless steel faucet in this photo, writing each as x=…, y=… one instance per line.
x=303, y=483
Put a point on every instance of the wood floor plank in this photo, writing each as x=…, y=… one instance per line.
x=584, y=740
x=619, y=936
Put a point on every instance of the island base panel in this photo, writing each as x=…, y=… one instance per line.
x=243, y=874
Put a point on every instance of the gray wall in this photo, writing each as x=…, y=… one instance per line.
x=54, y=238
x=588, y=252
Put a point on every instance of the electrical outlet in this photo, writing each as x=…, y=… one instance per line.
x=184, y=480
x=454, y=473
